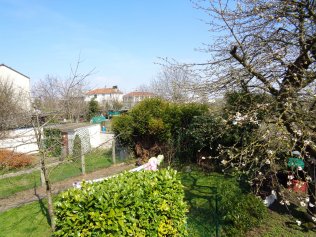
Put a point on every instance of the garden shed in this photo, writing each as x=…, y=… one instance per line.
x=89, y=135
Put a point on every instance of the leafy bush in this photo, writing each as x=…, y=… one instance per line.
x=158, y=123
x=53, y=141
x=12, y=160
x=142, y=203
x=240, y=213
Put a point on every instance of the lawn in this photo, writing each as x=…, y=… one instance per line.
x=28, y=220
x=31, y=220
x=94, y=161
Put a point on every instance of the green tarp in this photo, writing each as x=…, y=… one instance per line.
x=98, y=119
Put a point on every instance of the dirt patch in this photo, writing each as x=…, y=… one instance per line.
x=37, y=193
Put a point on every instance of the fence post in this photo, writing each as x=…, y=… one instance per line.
x=42, y=178
x=113, y=151
x=83, y=164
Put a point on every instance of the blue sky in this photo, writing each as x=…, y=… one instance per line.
x=122, y=40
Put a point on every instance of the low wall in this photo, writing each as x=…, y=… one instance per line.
x=20, y=140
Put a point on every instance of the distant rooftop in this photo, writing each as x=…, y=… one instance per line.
x=139, y=93
x=3, y=65
x=69, y=126
x=113, y=90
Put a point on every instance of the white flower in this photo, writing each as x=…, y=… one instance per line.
x=303, y=204
x=314, y=219
x=311, y=204
x=203, y=158
x=298, y=222
x=268, y=162
x=289, y=183
x=243, y=164
x=299, y=168
x=308, y=178
x=270, y=152
x=282, y=202
x=287, y=202
x=224, y=162
x=290, y=177
x=307, y=199
x=307, y=142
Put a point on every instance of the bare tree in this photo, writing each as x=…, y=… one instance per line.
x=174, y=83
x=65, y=96
x=11, y=109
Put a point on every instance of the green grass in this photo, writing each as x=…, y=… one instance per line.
x=28, y=220
x=202, y=216
x=94, y=161
x=200, y=193
x=31, y=219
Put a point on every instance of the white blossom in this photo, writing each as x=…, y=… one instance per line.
x=287, y=202
x=224, y=162
x=308, y=178
x=270, y=152
x=314, y=219
x=290, y=177
x=303, y=204
x=298, y=222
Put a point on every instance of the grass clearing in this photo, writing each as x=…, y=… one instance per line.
x=31, y=219
x=94, y=161
x=28, y=220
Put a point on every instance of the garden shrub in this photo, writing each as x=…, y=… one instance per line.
x=241, y=213
x=13, y=160
x=157, y=123
x=141, y=203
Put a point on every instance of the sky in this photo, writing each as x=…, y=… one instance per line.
x=121, y=40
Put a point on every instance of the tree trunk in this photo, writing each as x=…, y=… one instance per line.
x=48, y=193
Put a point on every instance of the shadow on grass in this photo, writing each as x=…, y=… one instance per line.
x=295, y=213
x=43, y=206
x=203, y=217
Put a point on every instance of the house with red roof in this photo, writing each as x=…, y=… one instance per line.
x=103, y=95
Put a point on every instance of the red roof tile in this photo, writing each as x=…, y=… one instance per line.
x=104, y=91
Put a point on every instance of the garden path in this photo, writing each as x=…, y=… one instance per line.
x=37, y=193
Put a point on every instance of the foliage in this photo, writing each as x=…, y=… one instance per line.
x=31, y=219
x=132, y=204
x=237, y=213
x=155, y=122
x=14, y=160
x=241, y=213
x=93, y=109
x=77, y=150
x=53, y=141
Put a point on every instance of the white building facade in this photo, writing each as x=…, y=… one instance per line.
x=133, y=98
x=19, y=82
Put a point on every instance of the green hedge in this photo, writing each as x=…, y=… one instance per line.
x=142, y=203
